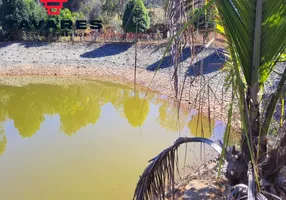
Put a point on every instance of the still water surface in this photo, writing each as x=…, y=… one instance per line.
x=85, y=140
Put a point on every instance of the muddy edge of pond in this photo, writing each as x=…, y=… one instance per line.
x=114, y=62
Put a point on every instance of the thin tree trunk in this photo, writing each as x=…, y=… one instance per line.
x=252, y=98
x=254, y=89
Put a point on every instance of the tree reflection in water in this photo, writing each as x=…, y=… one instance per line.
x=77, y=105
x=169, y=117
x=136, y=109
x=201, y=126
x=80, y=104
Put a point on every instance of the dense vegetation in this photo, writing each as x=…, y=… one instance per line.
x=24, y=12
x=135, y=18
x=110, y=12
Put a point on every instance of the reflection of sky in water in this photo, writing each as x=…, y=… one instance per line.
x=218, y=131
x=72, y=156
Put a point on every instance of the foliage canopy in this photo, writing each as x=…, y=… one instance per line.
x=135, y=12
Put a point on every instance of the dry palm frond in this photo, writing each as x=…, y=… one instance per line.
x=239, y=191
x=159, y=176
x=275, y=160
x=177, y=17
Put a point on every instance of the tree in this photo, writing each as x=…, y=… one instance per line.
x=97, y=9
x=35, y=11
x=74, y=5
x=19, y=10
x=253, y=57
x=12, y=10
x=135, y=17
x=111, y=7
x=65, y=14
x=92, y=9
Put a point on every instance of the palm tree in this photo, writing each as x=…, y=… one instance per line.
x=255, y=34
x=248, y=27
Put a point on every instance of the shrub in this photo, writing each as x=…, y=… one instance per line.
x=135, y=11
x=18, y=10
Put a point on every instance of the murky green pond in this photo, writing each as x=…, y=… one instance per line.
x=85, y=139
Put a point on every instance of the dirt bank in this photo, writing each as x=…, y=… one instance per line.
x=116, y=62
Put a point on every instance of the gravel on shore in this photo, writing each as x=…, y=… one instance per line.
x=116, y=61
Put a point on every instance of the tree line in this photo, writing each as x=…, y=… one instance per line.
x=119, y=15
x=111, y=13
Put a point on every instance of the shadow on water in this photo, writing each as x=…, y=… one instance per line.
x=211, y=63
x=107, y=50
x=167, y=61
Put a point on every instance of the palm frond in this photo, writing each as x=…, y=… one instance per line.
x=159, y=176
x=240, y=19
x=248, y=25
x=227, y=130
